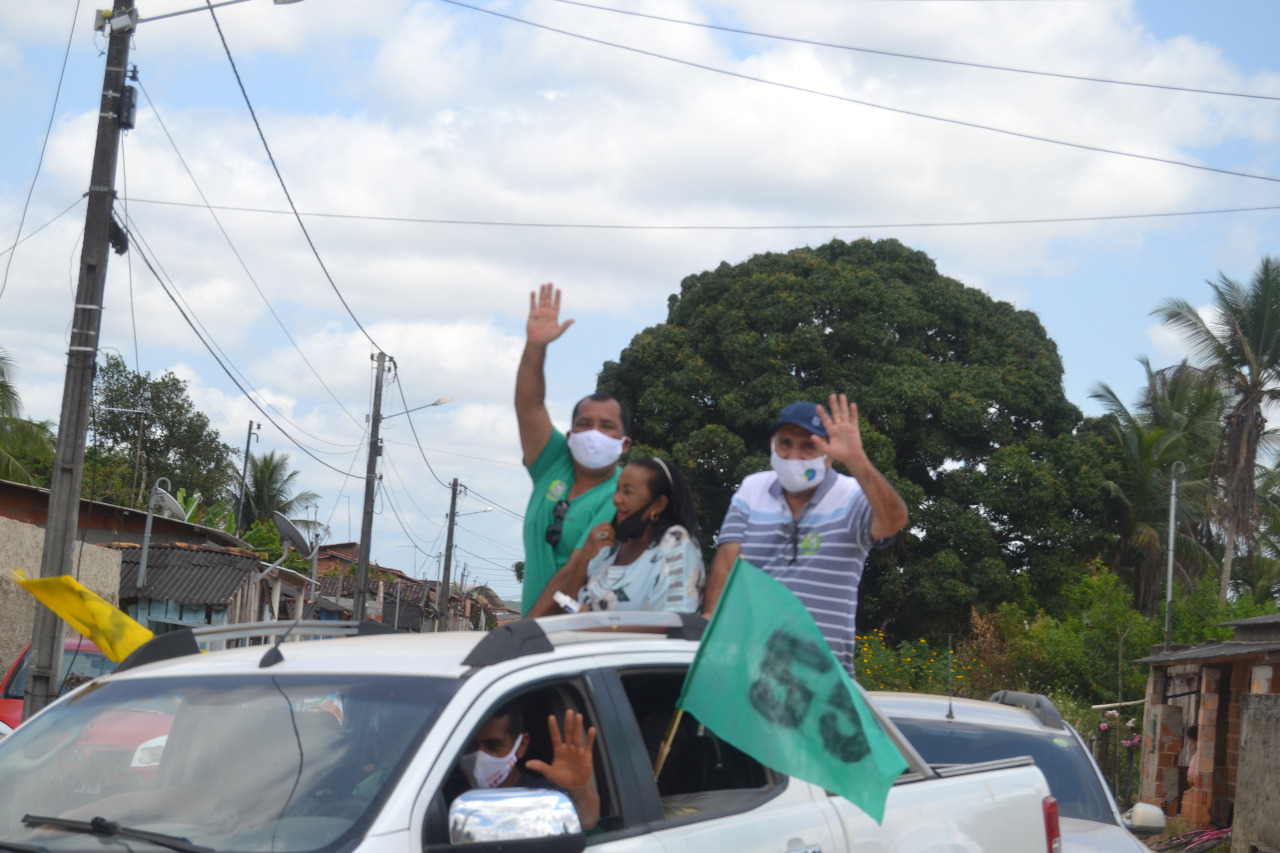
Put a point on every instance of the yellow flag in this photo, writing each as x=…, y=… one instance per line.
x=110, y=629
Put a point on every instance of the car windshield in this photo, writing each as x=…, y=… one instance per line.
x=279, y=762
x=1060, y=757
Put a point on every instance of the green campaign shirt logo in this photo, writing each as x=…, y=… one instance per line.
x=557, y=490
x=810, y=544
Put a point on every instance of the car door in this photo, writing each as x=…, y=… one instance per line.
x=708, y=795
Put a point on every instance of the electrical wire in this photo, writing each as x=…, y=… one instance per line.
x=497, y=505
x=459, y=455
x=918, y=58
x=280, y=177
x=9, y=250
x=128, y=261
x=48, y=131
x=395, y=377
x=868, y=226
x=244, y=266
x=244, y=380
x=211, y=350
x=408, y=494
x=516, y=552
x=1080, y=146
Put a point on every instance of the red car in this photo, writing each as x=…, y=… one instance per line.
x=81, y=661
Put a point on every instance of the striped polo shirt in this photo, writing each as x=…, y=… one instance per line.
x=820, y=558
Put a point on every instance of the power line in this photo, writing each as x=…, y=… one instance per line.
x=1080, y=146
x=916, y=57
x=68, y=209
x=496, y=505
x=210, y=349
x=395, y=377
x=244, y=266
x=48, y=130
x=244, y=380
x=280, y=177
x=866, y=226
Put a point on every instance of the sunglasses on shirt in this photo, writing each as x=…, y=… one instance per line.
x=556, y=527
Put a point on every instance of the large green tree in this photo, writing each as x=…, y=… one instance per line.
x=272, y=486
x=961, y=402
x=25, y=446
x=172, y=439
x=1239, y=344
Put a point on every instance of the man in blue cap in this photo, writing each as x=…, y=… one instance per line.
x=809, y=527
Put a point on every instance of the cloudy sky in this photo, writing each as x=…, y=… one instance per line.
x=447, y=157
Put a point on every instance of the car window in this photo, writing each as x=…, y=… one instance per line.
x=535, y=706
x=1059, y=756
x=701, y=774
x=78, y=667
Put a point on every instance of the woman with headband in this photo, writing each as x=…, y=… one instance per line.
x=646, y=558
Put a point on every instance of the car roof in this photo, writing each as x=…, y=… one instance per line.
x=928, y=706
x=452, y=654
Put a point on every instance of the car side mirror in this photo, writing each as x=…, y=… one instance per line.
x=500, y=818
x=1144, y=819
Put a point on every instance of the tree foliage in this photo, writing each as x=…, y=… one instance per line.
x=1239, y=344
x=26, y=447
x=176, y=440
x=961, y=403
x=272, y=486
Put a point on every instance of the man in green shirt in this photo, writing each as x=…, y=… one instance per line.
x=574, y=476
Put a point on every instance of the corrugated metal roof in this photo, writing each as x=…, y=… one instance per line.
x=1212, y=650
x=1254, y=621
x=187, y=574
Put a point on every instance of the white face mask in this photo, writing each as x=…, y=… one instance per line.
x=488, y=771
x=593, y=449
x=798, y=475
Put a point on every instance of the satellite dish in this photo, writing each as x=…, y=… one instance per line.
x=291, y=535
x=169, y=504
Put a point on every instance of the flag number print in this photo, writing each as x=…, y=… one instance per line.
x=780, y=696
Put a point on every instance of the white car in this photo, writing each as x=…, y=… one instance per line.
x=351, y=746
x=961, y=731
x=4, y=730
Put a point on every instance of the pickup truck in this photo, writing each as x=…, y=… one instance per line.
x=351, y=745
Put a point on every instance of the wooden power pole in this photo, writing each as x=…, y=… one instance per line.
x=370, y=488
x=44, y=674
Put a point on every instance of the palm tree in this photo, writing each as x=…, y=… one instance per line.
x=1138, y=495
x=20, y=439
x=271, y=487
x=1240, y=346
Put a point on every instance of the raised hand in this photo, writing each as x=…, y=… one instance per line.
x=844, y=438
x=570, y=765
x=544, y=324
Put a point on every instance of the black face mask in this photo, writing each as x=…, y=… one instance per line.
x=632, y=526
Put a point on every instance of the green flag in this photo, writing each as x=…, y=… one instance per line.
x=766, y=681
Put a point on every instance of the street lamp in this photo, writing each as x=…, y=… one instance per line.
x=169, y=505
x=1168, y=580
x=439, y=402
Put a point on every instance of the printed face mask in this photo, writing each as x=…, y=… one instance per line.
x=488, y=771
x=798, y=475
x=593, y=449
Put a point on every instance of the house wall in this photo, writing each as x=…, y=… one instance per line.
x=22, y=547
x=1257, y=817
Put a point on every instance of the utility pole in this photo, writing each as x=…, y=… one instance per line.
x=370, y=483
x=442, y=599
x=44, y=673
x=244, y=474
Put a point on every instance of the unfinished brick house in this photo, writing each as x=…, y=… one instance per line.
x=1202, y=685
